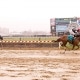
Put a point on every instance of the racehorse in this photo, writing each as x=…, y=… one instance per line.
x=69, y=38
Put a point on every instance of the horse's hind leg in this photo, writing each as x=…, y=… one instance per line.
x=64, y=47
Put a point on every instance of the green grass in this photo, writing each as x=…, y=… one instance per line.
x=29, y=38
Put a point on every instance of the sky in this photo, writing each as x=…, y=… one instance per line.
x=35, y=15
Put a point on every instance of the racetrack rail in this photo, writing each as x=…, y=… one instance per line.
x=27, y=44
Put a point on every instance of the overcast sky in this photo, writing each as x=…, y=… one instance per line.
x=34, y=15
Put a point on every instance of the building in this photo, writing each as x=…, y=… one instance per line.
x=60, y=26
x=4, y=31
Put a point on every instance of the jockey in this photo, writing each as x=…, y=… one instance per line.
x=78, y=32
x=72, y=31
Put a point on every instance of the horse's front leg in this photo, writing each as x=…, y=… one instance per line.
x=77, y=47
x=73, y=47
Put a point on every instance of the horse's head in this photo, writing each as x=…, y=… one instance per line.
x=1, y=38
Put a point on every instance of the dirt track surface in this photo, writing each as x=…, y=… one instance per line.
x=39, y=65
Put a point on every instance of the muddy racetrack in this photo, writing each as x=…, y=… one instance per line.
x=39, y=65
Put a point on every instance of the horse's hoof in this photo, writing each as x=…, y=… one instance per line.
x=65, y=49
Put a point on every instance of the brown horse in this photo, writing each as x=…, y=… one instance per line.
x=64, y=39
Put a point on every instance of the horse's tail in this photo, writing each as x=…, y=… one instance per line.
x=58, y=40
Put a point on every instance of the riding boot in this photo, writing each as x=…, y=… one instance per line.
x=72, y=40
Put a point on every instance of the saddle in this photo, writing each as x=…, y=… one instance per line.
x=70, y=38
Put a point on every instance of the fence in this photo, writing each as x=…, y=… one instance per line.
x=27, y=44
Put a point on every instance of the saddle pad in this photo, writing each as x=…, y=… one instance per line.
x=70, y=37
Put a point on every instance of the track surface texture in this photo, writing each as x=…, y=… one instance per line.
x=39, y=65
